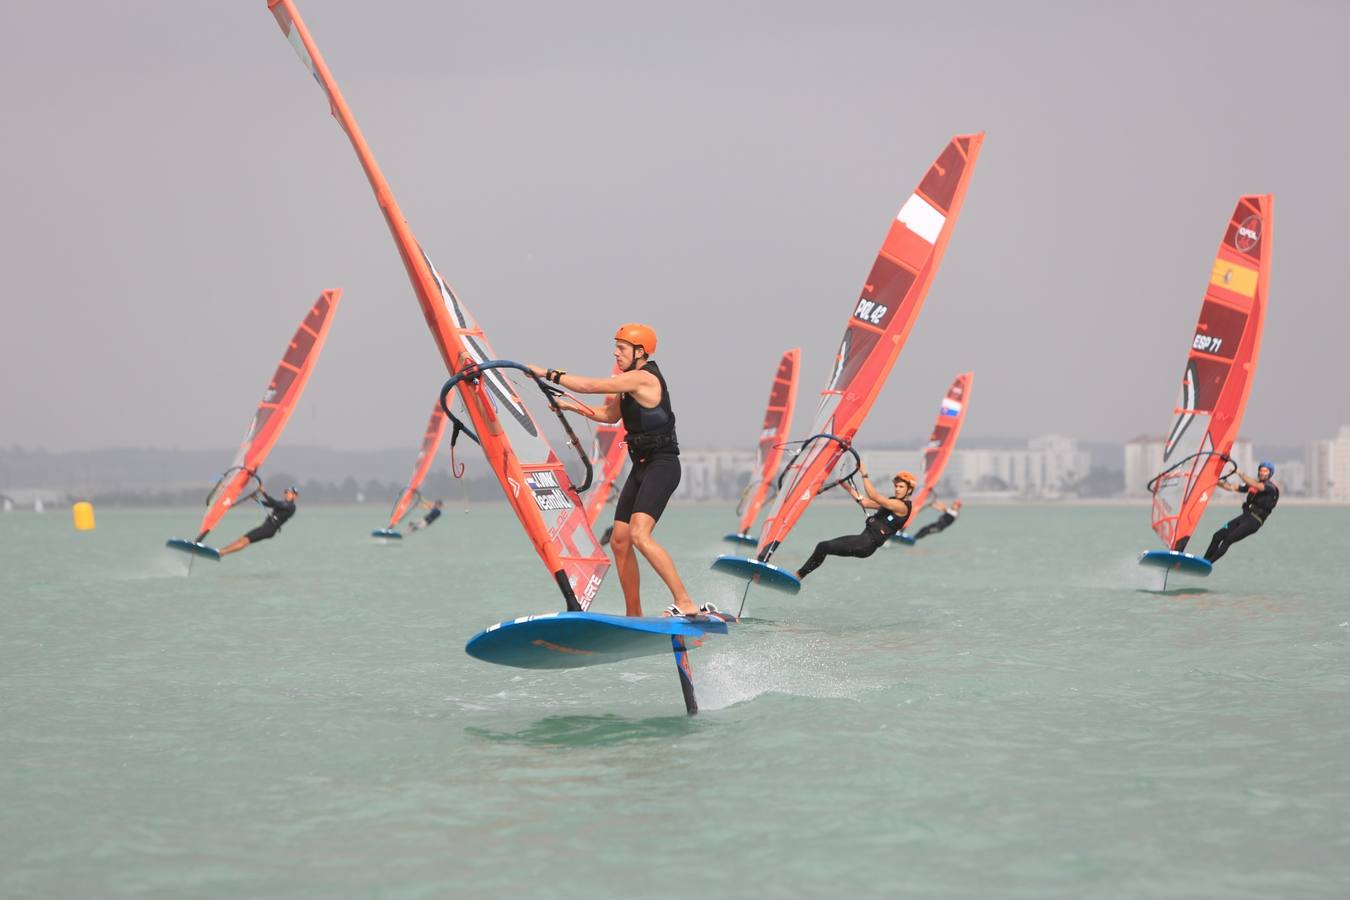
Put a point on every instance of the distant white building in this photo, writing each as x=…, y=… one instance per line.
x=1144, y=460
x=883, y=464
x=1292, y=476
x=713, y=474
x=1047, y=466
x=1328, y=463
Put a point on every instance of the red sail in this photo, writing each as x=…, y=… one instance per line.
x=530, y=473
x=431, y=441
x=283, y=392
x=941, y=443
x=1220, y=365
x=879, y=322
x=773, y=435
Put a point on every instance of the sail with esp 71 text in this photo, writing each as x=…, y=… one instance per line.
x=1215, y=384
x=531, y=475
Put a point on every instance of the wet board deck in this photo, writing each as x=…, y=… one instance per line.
x=570, y=640
x=195, y=548
x=1171, y=560
x=761, y=573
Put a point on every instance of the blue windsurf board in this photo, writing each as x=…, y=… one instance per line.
x=386, y=533
x=904, y=538
x=196, y=548
x=1187, y=563
x=761, y=573
x=736, y=538
x=570, y=640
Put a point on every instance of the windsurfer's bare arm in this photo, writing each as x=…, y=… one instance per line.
x=859, y=498
x=643, y=386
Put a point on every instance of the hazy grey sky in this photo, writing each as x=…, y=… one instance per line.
x=175, y=194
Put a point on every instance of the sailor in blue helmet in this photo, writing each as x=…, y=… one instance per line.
x=278, y=511
x=1262, y=495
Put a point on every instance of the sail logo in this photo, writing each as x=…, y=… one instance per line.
x=869, y=312
x=1248, y=234
x=548, y=495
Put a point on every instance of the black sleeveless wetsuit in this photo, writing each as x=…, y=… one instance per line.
x=654, y=451
x=279, y=512
x=942, y=522
x=1255, y=510
x=878, y=529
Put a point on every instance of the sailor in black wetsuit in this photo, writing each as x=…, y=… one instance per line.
x=433, y=513
x=279, y=511
x=891, y=515
x=638, y=395
x=949, y=515
x=1262, y=495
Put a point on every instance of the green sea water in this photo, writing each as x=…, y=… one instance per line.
x=1005, y=710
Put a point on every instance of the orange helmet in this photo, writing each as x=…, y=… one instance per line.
x=907, y=476
x=637, y=335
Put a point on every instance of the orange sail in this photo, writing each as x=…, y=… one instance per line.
x=941, y=443
x=880, y=321
x=1220, y=365
x=283, y=392
x=608, y=453
x=773, y=435
x=530, y=473
x=431, y=442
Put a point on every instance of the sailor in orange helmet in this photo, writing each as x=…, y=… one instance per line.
x=891, y=515
x=638, y=395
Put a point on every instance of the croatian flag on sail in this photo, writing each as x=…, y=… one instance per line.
x=950, y=407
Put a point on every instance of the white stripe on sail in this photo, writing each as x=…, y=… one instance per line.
x=921, y=218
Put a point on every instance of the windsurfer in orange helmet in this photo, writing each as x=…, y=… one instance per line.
x=639, y=397
x=950, y=513
x=891, y=515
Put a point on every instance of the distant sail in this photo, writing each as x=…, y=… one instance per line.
x=278, y=402
x=941, y=443
x=1220, y=365
x=878, y=325
x=531, y=475
x=431, y=442
x=773, y=436
x=608, y=453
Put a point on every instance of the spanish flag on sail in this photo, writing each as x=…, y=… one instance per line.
x=1233, y=277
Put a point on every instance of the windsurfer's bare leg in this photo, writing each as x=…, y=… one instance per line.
x=626, y=562
x=235, y=547
x=640, y=534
